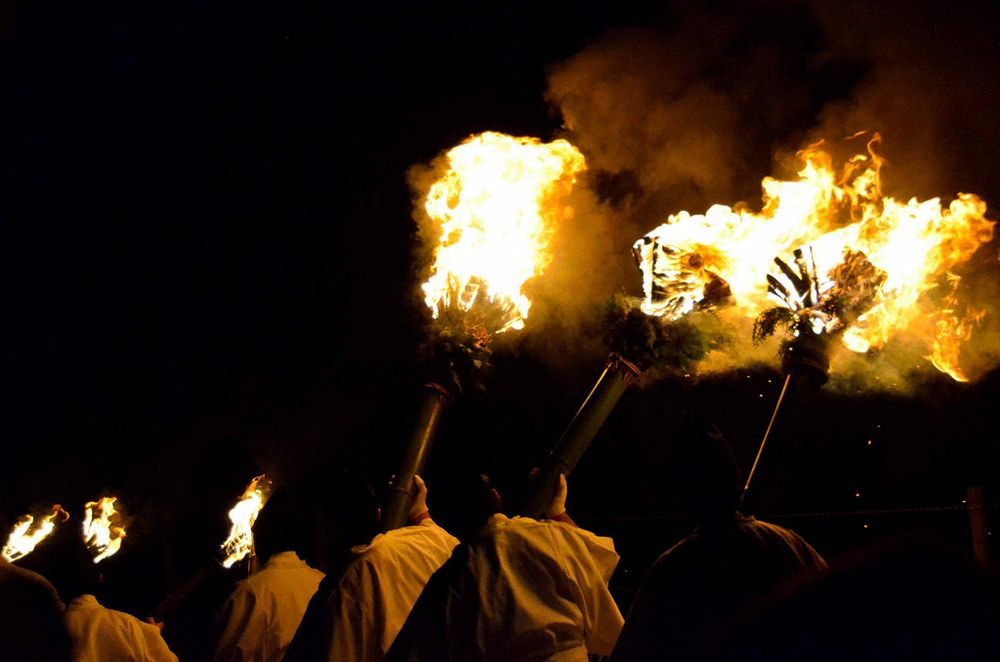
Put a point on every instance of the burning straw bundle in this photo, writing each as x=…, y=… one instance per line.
x=658, y=345
x=813, y=312
x=488, y=212
x=28, y=532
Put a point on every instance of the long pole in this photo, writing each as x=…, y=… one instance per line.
x=806, y=366
x=435, y=400
x=767, y=433
x=576, y=439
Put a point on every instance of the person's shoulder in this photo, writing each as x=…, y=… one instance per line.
x=416, y=535
x=28, y=583
x=126, y=621
x=562, y=537
x=686, y=545
x=779, y=537
x=770, y=529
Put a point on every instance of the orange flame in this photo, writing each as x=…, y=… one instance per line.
x=951, y=330
x=26, y=533
x=102, y=537
x=915, y=243
x=495, y=209
x=239, y=544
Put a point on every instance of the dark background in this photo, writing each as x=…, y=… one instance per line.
x=207, y=272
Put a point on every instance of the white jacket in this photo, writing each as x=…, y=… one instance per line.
x=100, y=634
x=261, y=616
x=375, y=596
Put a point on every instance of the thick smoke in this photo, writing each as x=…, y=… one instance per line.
x=698, y=108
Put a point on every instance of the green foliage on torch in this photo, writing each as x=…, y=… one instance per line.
x=661, y=347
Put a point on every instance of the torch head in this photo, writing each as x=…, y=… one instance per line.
x=704, y=470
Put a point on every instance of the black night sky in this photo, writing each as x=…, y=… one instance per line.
x=207, y=248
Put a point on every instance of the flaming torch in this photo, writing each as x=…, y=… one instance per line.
x=869, y=260
x=239, y=544
x=812, y=312
x=27, y=533
x=690, y=259
x=489, y=208
x=103, y=528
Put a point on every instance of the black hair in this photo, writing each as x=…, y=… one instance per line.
x=704, y=469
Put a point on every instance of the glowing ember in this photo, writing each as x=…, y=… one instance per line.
x=914, y=243
x=27, y=533
x=496, y=208
x=239, y=544
x=103, y=529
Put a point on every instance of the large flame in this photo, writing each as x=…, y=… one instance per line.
x=243, y=515
x=951, y=330
x=27, y=533
x=496, y=208
x=915, y=243
x=103, y=528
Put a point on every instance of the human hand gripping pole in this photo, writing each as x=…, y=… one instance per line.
x=418, y=509
x=556, y=510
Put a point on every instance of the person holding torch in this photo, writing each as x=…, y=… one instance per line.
x=359, y=616
x=520, y=589
x=260, y=618
x=697, y=586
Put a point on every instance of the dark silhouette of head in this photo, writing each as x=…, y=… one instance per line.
x=704, y=470
x=472, y=500
x=284, y=523
x=343, y=511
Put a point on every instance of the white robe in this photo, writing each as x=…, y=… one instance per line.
x=524, y=589
x=100, y=634
x=534, y=590
x=261, y=616
x=374, y=598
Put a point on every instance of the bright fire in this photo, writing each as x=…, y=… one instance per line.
x=27, y=533
x=103, y=528
x=915, y=243
x=951, y=330
x=243, y=515
x=496, y=209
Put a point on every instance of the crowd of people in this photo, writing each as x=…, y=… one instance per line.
x=516, y=588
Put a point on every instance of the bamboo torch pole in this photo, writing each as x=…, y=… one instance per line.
x=435, y=400
x=580, y=432
x=807, y=367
